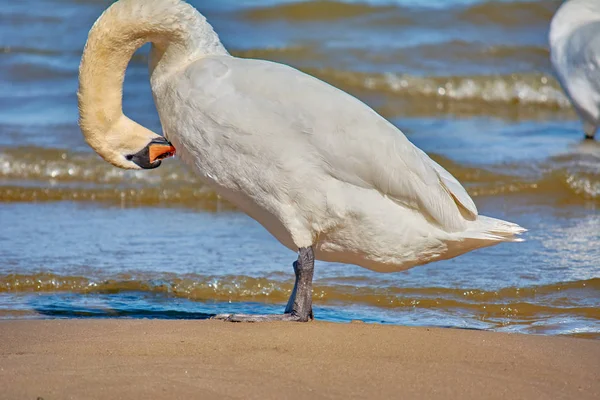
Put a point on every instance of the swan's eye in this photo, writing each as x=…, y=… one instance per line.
x=129, y=157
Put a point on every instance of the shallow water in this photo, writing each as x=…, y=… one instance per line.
x=468, y=81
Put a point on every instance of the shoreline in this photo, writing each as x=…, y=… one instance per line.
x=173, y=359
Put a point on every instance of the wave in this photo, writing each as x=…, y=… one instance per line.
x=307, y=54
x=510, y=14
x=474, y=93
x=507, y=14
x=58, y=165
x=39, y=174
x=200, y=198
x=533, y=90
x=525, y=89
x=457, y=54
x=575, y=298
x=28, y=50
x=529, y=92
x=570, y=178
x=320, y=10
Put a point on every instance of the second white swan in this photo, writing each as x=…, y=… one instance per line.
x=319, y=169
x=574, y=37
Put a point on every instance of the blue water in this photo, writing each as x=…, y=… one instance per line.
x=469, y=82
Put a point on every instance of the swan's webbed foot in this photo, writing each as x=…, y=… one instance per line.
x=299, y=307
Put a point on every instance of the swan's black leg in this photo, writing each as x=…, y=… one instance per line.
x=590, y=130
x=300, y=303
x=299, y=307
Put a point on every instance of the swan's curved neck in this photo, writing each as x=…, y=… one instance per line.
x=179, y=35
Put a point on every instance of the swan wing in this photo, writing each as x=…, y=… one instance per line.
x=335, y=131
x=578, y=67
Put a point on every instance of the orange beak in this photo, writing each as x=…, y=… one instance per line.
x=160, y=151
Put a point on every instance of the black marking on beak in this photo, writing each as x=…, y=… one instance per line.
x=143, y=158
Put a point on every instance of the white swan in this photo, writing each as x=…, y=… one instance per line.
x=575, y=54
x=320, y=170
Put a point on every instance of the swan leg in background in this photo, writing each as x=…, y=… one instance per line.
x=589, y=129
x=299, y=307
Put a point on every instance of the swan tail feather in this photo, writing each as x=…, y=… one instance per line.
x=492, y=229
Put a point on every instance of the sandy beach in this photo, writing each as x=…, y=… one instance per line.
x=176, y=359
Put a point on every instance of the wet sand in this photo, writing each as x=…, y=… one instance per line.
x=175, y=359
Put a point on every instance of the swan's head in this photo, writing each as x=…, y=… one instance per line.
x=126, y=144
